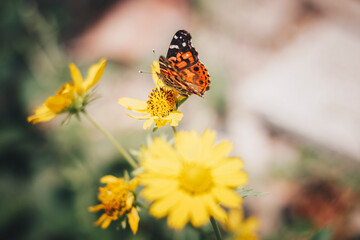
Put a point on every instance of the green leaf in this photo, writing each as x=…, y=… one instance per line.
x=323, y=234
x=123, y=223
x=245, y=192
x=178, y=104
x=126, y=176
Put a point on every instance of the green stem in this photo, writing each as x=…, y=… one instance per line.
x=174, y=130
x=142, y=206
x=216, y=228
x=178, y=104
x=117, y=145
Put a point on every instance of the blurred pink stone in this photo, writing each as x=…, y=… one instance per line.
x=131, y=29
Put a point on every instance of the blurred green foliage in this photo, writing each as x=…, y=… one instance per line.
x=46, y=180
x=49, y=176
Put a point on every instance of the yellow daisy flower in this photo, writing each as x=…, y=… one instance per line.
x=191, y=180
x=161, y=106
x=117, y=200
x=242, y=229
x=71, y=97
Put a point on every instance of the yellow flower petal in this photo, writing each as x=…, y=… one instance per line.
x=155, y=190
x=162, y=149
x=162, y=167
x=134, y=183
x=77, y=78
x=94, y=74
x=166, y=170
x=226, y=197
x=220, y=151
x=155, y=69
x=174, y=117
x=41, y=114
x=161, y=207
x=233, y=180
x=252, y=224
x=133, y=104
x=235, y=217
x=188, y=144
x=130, y=201
x=207, y=142
x=133, y=218
x=147, y=124
x=141, y=117
x=57, y=104
x=106, y=223
x=161, y=122
x=240, y=227
x=229, y=166
x=96, y=208
x=198, y=212
x=214, y=209
x=67, y=91
x=109, y=179
x=101, y=219
x=228, y=173
x=180, y=214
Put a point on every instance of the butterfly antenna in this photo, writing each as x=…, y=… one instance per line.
x=154, y=52
x=140, y=71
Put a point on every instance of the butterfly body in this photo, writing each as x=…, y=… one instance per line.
x=181, y=69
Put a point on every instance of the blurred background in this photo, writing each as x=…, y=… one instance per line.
x=285, y=89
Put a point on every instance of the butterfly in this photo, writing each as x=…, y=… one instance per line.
x=181, y=69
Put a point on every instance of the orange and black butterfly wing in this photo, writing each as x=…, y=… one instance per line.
x=197, y=78
x=181, y=53
x=182, y=68
x=172, y=78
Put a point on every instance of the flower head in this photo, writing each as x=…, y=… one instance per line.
x=117, y=200
x=159, y=108
x=71, y=97
x=188, y=181
x=241, y=228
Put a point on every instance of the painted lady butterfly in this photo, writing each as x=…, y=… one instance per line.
x=181, y=69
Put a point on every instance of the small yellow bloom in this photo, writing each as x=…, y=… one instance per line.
x=191, y=180
x=242, y=229
x=159, y=108
x=117, y=200
x=71, y=97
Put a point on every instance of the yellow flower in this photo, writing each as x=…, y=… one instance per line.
x=71, y=97
x=191, y=180
x=159, y=108
x=117, y=200
x=242, y=229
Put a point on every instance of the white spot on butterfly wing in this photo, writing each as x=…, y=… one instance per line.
x=174, y=46
x=184, y=44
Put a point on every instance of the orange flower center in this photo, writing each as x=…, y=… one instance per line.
x=114, y=198
x=161, y=102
